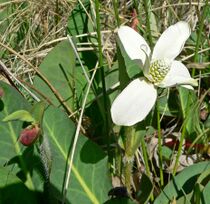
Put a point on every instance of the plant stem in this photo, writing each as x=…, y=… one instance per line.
x=201, y=24
x=128, y=160
x=101, y=69
x=179, y=150
x=146, y=161
x=160, y=146
x=147, y=5
x=116, y=13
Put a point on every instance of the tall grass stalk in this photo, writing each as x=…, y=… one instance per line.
x=147, y=8
x=160, y=146
x=202, y=17
x=116, y=13
x=146, y=161
x=101, y=69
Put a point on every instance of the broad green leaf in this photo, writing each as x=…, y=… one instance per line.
x=21, y=115
x=183, y=182
x=89, y=181
x=11, y=151
x=79, y=24
x=78, y=20
x=146, y=188
x=60, y=70
x=9, y=132
x=12, y=189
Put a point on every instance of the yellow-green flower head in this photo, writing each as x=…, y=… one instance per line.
x=160, y=69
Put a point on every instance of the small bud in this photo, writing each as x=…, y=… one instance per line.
x=29, y=135
x=1, y=92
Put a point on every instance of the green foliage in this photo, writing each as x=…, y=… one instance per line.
x=183, y=184
x=13, y=190
x=40, y=172
x=78, y=19
x=59, y=67
x=53, y=151
x=146, y=188
x=21, y=115
x=86, y=183
x=10, y=130
x=190, y=112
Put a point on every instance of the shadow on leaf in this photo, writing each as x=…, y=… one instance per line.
x=93, y=156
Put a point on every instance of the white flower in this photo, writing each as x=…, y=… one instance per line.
x=134, y=103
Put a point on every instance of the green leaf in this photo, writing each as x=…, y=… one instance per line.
x=89, y=181
x=38, y=111
x=123, y=75
x=146, y=188
x=183, y=182
x=21, y=115
x=186, y=199
x=12, y=190
x=77, y=23
x=166, y=152
x=205, y=194
x=112, y=80
x=168, y=103
x=9, y=132
x=60, y=70
x=11, y=151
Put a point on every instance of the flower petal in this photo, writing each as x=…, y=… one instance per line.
x=171, y=42
x=178, y=74
x=133, y=43
x=134, y=103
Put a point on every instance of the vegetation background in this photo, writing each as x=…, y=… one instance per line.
x=79, y=75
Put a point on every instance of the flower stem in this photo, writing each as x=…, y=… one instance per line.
x=160, y=146
x=128, y=175
x=128, y=160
